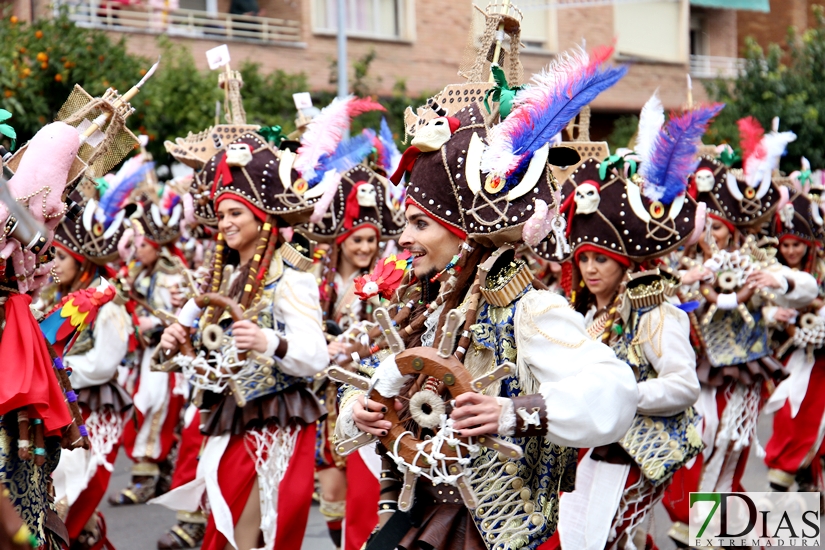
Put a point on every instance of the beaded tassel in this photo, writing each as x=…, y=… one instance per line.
x=217, y=269
x=251, y=280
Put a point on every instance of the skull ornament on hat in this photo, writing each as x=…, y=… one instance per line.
x=361, y=199
x=249, y=168
x=799, y=218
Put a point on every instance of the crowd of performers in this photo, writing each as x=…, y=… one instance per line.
x=506, y=337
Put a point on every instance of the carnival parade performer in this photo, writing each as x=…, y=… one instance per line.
x=794, y=451
x=264, y=318
x=733, y=285
x=40, y=409
x=618, y=220
x=158, y=396
x=83, y=250
x=360, y=216
x=464, y=274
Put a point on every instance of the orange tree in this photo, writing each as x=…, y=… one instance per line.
x=41, y=61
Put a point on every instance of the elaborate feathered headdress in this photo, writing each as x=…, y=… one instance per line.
x=325, y=133
x=543, y=109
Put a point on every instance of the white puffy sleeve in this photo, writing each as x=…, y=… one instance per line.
x=664, y=334
x=797, y=288
x=111, y=334
x=297, y=306
x=590, y=395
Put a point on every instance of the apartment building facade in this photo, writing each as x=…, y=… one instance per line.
x=422, y=42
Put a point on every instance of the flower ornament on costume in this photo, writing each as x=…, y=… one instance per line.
x=385, y=278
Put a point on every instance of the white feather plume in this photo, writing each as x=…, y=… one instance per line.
x=651, y=120
x=759, y=166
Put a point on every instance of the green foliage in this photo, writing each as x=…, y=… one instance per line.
x=41, y=62
x=624, y=128
x=788, y=83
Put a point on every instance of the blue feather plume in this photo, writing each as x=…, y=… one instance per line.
x=393, y=154
x=673, y=156
x=544, y=108
x=347, y=154
x=112, y=202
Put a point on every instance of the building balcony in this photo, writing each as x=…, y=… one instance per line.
x=115, y=16
x=709, y=66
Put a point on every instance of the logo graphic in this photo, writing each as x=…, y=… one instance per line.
x=754, y=519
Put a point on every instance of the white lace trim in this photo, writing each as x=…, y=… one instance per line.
x=507, y=417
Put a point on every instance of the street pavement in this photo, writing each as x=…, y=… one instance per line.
x=139, y=527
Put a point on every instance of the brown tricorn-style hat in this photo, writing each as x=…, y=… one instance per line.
x=800, y=217
x=90, y=235
x=612, y=214
x=158, y=224
x=728, y=196
x=363, y=198
x=449, y=185
x=263, y=177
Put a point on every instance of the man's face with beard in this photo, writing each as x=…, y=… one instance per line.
x=431, y=244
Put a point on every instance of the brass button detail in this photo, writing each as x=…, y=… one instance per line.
x=518, y=483
x=529, y=507
x=418, y=363
x=449, y=379
x=511, y=469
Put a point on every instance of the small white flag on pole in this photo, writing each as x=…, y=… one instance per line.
x=217, y=57
x=302, y=100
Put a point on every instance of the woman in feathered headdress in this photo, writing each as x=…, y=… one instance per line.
x=258, y=340
x=83, y=249
x=618, y=221
x=360, y=216
x=730, y=329
x=157, y=264
x=794, y=451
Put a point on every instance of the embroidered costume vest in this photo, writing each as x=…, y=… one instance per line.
x=659, y=445
x=518, y=499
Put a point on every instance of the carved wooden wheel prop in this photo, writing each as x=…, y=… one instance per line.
x=443, y=457
x=219, y=364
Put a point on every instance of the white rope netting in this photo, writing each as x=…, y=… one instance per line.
x=743, y=404
x=813, y=335
x=210, y=370
x=431, y=452
x=271, y=448
x=634, y=506
x=105, y=428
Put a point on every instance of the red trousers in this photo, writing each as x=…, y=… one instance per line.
x=166, y=436
x=793, y=438
x=362, y=503
x=236, y=477
x=88, y=500
x=186, y=466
